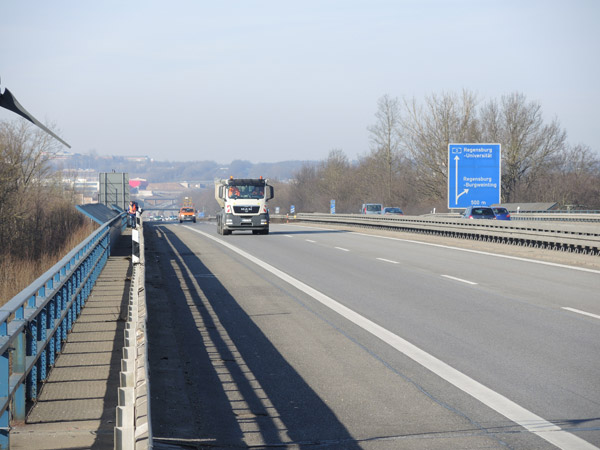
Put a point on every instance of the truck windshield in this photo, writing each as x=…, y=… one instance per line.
x=246, y=191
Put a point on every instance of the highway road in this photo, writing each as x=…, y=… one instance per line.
x=321, y=338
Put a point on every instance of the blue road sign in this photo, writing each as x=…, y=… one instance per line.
x=474, y=177
x=332, y=207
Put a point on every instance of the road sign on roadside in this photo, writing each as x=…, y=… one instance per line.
x=474, y=177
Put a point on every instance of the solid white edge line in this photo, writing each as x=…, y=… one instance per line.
x=578, y=311
x=509, y=409
x=459, y=279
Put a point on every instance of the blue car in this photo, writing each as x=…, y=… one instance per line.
x=501, y=213
x=479, y=212
x=392, y=210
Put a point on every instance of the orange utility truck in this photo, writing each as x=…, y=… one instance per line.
x=187, y=211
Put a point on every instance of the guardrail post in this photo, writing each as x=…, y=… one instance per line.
x=125, y=423
x=135, y=246
x=124, y=431
x=133, y=425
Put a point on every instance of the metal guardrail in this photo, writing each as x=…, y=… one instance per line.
x=34, y=324
x=557, y=235
x=564, y=216
x=133, y=429
x=561, y=211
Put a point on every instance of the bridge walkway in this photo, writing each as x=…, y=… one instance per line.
x=76, y=407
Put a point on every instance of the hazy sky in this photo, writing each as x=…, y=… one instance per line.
x=279, y=80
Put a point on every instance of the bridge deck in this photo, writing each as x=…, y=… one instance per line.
x=77, y=404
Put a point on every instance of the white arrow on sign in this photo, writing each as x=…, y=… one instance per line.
x=456, y=158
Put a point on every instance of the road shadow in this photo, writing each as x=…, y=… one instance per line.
x=216, y=380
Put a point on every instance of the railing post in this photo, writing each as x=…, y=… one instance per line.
x=4, y=388
x=18, y=361
x=32, y=351
x=5, y=430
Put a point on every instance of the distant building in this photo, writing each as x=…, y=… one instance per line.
x=59, y=155
x=138, y=183
x=136, y=158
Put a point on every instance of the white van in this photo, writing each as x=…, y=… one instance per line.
x=371, y=208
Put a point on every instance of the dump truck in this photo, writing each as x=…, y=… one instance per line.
x=187, y=211
x=243, y=203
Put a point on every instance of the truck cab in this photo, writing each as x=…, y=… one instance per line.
x=243, y=204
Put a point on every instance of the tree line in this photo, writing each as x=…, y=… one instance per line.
x=407, y=163
x=37, y=216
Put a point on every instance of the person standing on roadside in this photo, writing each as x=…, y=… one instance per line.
x=132, y=213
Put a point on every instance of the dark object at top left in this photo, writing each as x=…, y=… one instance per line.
x=8, y=101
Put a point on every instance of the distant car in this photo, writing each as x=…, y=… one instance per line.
x=501, y=213
x=187, y=213
x=479, y=212
x=392, y=210
x=371, y=208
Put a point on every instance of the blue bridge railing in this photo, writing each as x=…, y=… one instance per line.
x=34, y=324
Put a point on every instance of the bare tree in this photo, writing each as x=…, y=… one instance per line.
x=305, y=188
x=573, y=179
x=25, y=186
x=528, y=145
x=385, y=136
x=428, y=129
x=337, y=182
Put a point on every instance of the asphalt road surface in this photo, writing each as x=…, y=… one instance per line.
x=324, y=338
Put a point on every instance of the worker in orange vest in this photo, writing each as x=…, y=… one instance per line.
x=133, y=207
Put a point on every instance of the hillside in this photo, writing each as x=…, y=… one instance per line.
x=165, y=171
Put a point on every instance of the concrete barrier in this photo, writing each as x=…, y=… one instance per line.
x=133, y=430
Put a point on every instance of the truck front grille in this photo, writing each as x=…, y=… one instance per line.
x=246, y=209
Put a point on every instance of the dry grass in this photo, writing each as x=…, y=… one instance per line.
x=16, y=275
